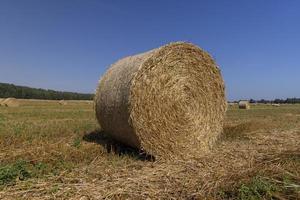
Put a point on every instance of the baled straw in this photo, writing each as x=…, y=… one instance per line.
x=10, y=102
x=62, y=102
x=244, y=105
x=168, y=102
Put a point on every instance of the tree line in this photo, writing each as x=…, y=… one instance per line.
x=277, y=101
x=22, y=92
x=280, y=101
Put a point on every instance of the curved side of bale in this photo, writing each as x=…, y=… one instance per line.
x=168, y=102
x=112, y=99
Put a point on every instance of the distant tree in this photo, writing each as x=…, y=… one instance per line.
x=10, y=90
x=252, y=101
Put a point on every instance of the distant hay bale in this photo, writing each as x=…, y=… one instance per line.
x=244, y=105
x=89, y=102
x=168, y=102
x=276, y=105
x=62, y=102
x=10, y=102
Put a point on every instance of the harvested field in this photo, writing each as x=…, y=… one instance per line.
x=48, y=151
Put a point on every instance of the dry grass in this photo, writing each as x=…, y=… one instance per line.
x=53, y=152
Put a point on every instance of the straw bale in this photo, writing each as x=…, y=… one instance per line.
x=168, y=102
x=244, y=105
x=276, y=105
x=10, y=102
x=62, y=102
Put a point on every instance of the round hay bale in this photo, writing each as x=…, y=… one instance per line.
x=62, y=103
x=244, y=105
x=276, y=105
x=10, y=102
x=168, y=102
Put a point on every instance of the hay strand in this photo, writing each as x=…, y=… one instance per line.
x=168, y=102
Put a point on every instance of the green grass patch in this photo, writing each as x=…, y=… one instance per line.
x=77, y=142
x=9, y=174
x=22, y=170
x=258, y=188
x=264, y=188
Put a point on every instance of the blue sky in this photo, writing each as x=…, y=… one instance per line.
x=67, y=44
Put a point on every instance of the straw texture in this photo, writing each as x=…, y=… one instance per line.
x=168, y=102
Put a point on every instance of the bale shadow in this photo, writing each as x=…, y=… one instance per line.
x=236, y=132
x=244, y=130
x=113, y=146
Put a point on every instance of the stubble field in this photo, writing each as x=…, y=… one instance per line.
x=52, y=151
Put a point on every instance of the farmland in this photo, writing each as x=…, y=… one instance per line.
x=52, y=151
